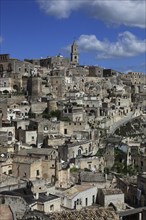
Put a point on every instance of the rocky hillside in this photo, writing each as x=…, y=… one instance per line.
x=132, y=128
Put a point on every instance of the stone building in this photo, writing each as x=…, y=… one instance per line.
x=67, y=128
x=35, y=163
x=92, y=163
x=111, y=197
x=3, y=108
x=46, y=203
x=23, y=199
x=34, y=87
x=109, y=73
x=75, y=149
x=6, y=165
x=79, y=196
x=109, y=156
x=140, y=162
x=74, y=113
x=141, y=188
x=10, y=66
x=10, y=134
x=64, y=178
x=74, y=54
x=53, y=62
x=58, y=86
x=95, y=71
x=137, y=77
x=27, y=137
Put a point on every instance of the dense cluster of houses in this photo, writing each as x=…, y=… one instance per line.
x=65, y=130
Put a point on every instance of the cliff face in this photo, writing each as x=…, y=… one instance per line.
x=84, y=214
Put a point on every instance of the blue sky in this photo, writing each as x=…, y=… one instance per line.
x=110, y=33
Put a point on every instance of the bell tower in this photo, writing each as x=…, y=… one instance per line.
x=74, y=53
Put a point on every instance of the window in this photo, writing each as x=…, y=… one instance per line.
x=74, y=204
x=10, y=172
x=1, y=68
x=93, y=199
x=51, y=208
x=32, y=138
x=10, y=134
x=37, y=172
x=79, y=152
x=86, y=201
x=46, y=157
x=65, y=131
x=9, y=67
x=45, y=128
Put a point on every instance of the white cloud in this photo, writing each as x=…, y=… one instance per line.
x=127, y=45
x=127, y=12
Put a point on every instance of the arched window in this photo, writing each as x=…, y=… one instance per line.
x=79, y=152
x=9, y=67
x=1, y=68
x=10, y=134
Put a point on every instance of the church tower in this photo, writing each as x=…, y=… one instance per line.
x=74, y=53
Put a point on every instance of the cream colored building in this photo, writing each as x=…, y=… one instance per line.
x=108, y=197
x=67, y=128
x=10, y=132
x=46, y=203
x=79, y=196
x=35, y=164
x=6, y=166
x=92, y=163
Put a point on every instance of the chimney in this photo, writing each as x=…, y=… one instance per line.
x=36, y=195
